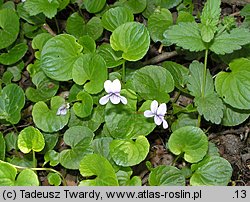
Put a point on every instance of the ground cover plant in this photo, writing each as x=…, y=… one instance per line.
x=124, y=92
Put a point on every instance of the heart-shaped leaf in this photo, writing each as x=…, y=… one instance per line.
x=12, y=100
x=87, y=43
x=128, y=152
x=191, y=141
x=90, y=67
x=2, y=147
x=83, y=108
x=54, y=179
x=125, y=178
x=58, y=56
x=79, y=138
x=132, y=38
x=213, y=170
x=115, y=17
x=234, y=86
x=29, y=139
x=47, y=119
x=78, y=27
x=27, y=177
x=166, y=176
x=97, y=165
x=94, y=6
x=9, y=27
x=153, y=83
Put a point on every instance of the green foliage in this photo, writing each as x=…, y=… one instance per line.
x=54, y=179
x=85, y=106
x=94, y=6
x=2, y=147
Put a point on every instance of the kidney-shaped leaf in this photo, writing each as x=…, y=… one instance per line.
x=166, y=176
x=90, y=67
x=29, y=139
x=58, y=56
x=234, y=86
x=128, y=152
x=189, y=140
x=27, y=177
x=97, y=165
x=153, y=83
x=132, y=38
x=83, y=108
x=79, y=138
x=12, y=100
x=213, y=170
x=46, y=118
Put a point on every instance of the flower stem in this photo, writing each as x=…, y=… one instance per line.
x=123, y=71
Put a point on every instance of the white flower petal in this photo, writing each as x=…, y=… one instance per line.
x=116, y=86
x=115, y=99
x=108, y=86
x=154, y=106
x=124, y=100
x=158, y=120
x=62, y=110
x=148, y=114
x=162, y=109
x=165, y=123
x=104, y=100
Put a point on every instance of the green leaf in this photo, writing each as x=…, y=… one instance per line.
x=38, y=43
x=46, y=118
x=153, y=83
x=92, y=68
x=48, y=8
x=9, y=27
x=45, y=88
x=233, y=116
x=27, y=177
x=166, y=176
x=54, y=179
x=58, y=56
x=191, y=141
x=136, y=6
x=124, y=178
x=229, y=42
x=186, y=35
x=78, y=27
x=184, y=16
x=125, y=122
x=52, y=157
x=158, y=23
x=101, y=146
x=87, y=43
x=97, y=165
x=79, y=138
x=83, y=108
x=129, y=153
x=94, y=6
x=11, y=141
x=115, y=17
x=169, y=4
x=7, y=174
x=234, y=86
x=111, y=57
x=132, y=38
x=14, y=54
x=50, y=141
x=29, y=139
x=12, y=100
x=213, y=170
x=2, y=147
x=184, y=120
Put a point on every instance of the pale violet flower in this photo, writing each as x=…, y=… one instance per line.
x=113, y=89
x=62, y=111
x=158, y=113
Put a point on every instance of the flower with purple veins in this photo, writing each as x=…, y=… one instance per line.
x=113, y=89
x=158, y=113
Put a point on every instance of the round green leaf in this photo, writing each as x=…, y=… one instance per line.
x=29, y=139
x=129, y=153
x=191, y=141
x=132, y=38
x=87, y=43
x=97, y=165
x=54, y=179
x=12, y=100
x=79, y=138
x=27, y=178
x=136, y=6
x=46, y=118
x=158, y=23
x=234, y=86
x=111, y=57
x=124, y=176
x=94, y=6
x=166, y=176
x=7, y=174
x=213, y=170
x=58, y=56
x=52, y=157
x=115, y=17
x=9, y=27
x=90, y=67
x=83, y=108
x=153, y=83
x=40, y=40
x=14, y=54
